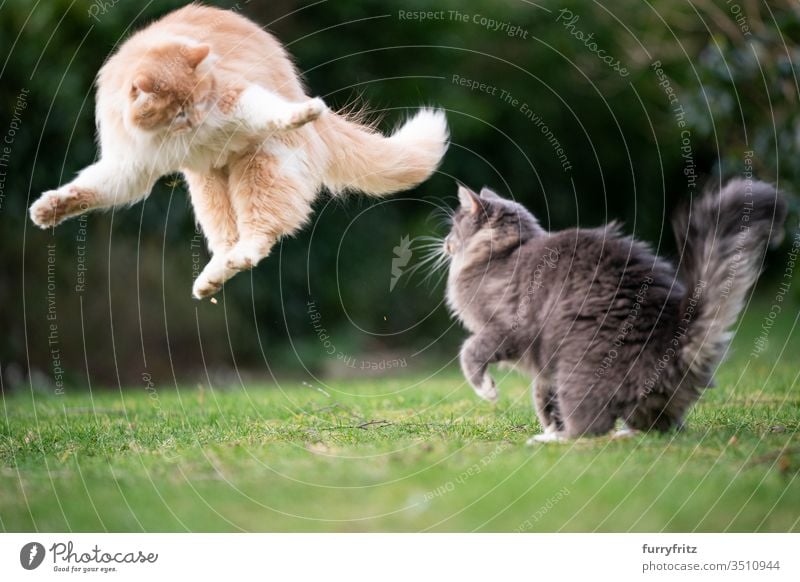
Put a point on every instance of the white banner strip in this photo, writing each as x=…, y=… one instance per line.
x=396, y=557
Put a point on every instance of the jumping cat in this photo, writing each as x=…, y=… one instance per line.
x=608, y=329
x=208, y=93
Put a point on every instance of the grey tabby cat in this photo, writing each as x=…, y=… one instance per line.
x=608, y=329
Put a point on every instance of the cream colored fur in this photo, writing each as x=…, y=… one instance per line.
x=208, y=93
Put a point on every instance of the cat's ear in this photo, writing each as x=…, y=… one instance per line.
x=489, y=194
x=469, y=200
x=196, y=54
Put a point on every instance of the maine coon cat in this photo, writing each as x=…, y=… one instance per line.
x=208, y=93
x=609, y=330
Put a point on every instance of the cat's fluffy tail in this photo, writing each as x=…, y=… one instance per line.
x=722, y=237
x=363, y=159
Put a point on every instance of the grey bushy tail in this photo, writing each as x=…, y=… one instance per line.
x=722, y=237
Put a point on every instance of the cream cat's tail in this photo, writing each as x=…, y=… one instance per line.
x=363, y=159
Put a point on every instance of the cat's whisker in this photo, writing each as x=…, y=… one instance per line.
x=429, y=238
x=442, y=217
x=442, y=213
x=424, y=262
x=437, y=269
x=434, y=246
x=434, y=259
x=431, y=247
x=430, y=258
x=442, y=274
x=431, y=242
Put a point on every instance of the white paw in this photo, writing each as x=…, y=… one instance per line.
x=204, y=287
x=488, y=390
x=625, y=433
x=54, y=206
x=212, y=277
x=305, y=113
x=547, y=437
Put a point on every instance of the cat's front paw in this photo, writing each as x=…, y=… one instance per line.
x=55, y=206
x=305, y=113
x=228, y=100
x=488, y=390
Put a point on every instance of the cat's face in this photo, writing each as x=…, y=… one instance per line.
x=167, y=92
x=489, y=220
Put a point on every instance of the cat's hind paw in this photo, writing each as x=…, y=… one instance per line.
x=547, y=437
x=246, y=254
x=211, y=278
x=241, y=258
x=625, y=433
x=204, y=287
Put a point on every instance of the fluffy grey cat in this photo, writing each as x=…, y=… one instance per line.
x=608, y=329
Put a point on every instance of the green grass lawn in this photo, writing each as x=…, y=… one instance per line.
x=400, y=454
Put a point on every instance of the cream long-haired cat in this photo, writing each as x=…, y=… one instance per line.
x=208, y=93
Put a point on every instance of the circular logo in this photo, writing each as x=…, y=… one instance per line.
x=31, y=555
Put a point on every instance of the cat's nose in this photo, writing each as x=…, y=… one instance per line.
x=182, y=124
x=448, y=245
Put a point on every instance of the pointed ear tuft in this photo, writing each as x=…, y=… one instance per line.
x=469, y=200
x=489, y=194
x=196, y=54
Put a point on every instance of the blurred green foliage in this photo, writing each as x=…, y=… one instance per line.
x=518, y=79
